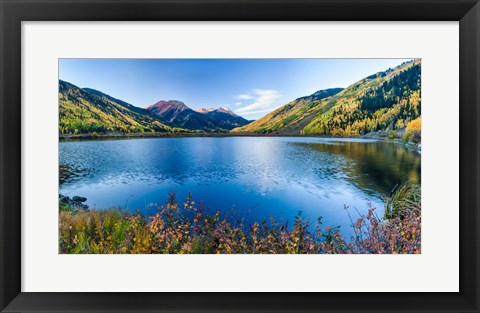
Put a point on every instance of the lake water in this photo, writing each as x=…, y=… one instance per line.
x=258, y=177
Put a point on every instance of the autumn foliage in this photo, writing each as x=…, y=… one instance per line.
x=413, y=130
x=186, y=228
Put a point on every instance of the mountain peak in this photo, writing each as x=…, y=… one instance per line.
x=226, y=111
x=163, y=106
x=205, y=110
x=220, y=109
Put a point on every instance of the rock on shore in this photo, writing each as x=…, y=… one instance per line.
x=75, y=203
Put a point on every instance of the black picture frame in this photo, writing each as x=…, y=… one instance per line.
x=13, y=12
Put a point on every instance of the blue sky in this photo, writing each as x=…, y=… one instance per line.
x=249, y=87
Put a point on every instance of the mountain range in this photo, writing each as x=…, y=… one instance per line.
x=86, y=110
x=214, y=120
x=384, y=101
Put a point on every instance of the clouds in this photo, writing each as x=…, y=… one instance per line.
x=244, y=97
x=265, y=101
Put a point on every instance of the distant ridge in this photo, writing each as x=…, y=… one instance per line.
x=206, y=119
x=224, y=116
x=205, y=110
x=220, y=109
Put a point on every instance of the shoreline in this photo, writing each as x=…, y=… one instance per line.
x=417, y=147
x=176, y=135
x=88, y=137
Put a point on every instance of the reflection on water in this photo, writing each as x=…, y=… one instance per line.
x=270, y=176
x=376, y=166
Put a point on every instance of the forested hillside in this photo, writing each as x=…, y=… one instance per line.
x=86, y=111
x=385, y=101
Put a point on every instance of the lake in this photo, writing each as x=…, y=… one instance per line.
x=257, y=177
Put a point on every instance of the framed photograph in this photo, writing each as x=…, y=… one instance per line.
x=251, y=156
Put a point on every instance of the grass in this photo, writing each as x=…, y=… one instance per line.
x=403, y=200
x=186, y=228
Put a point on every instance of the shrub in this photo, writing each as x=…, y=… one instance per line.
x=392, y=134
x=413, y=130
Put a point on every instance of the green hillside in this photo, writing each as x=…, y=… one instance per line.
x=388, y=100
x=292, y=117
x=86, y=111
